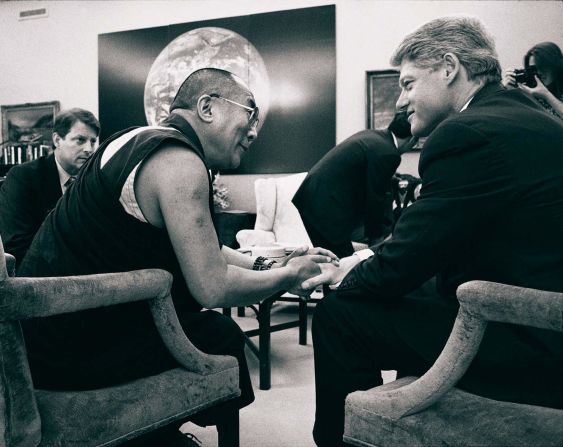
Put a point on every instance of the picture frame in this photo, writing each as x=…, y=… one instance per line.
x=30, y=123
x=298, y=97
x=383, y=91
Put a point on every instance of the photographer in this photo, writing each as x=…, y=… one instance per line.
x=542, y=76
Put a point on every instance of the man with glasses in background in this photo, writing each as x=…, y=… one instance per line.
x=144, y=200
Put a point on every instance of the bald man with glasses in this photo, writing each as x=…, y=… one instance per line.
x=144, y=200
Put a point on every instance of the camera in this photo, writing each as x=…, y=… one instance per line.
x=526, y=76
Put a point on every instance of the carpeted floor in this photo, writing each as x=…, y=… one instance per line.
x=282, y=416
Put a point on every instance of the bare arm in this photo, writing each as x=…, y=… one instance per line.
x=541, y=91
x=233, y=257
x=172, y=190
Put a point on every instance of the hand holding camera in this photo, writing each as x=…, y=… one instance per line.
x=526, y=76
x=521, y=76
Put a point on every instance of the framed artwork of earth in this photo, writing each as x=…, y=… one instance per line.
x=383, y=91
x=288, y=59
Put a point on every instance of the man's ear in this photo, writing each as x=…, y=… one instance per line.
x=56, y=139
x=205, y=108
x=451, y=67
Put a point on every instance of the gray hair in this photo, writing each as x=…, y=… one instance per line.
x=463, y=36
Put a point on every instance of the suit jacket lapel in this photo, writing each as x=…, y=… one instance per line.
x=52, y=184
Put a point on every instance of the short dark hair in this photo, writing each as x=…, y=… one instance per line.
x=463, y=36
x=200, y=82
x=400, y=125
x=66, y=119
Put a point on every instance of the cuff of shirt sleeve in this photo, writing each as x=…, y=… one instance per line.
x=364, y=254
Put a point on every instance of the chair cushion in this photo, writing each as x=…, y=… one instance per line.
x=459, y=418
x=73, y=418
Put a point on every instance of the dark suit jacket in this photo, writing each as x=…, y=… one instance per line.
x=29, y=192
x=350, y=186
x=490, y=208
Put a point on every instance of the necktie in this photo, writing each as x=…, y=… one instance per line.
x=69, y=182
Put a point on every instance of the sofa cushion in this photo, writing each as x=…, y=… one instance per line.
x=459, y=418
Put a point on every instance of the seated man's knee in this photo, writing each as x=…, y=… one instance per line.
x=327, y=310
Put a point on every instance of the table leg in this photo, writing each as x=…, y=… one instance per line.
x=302, y=322
x=265, y=308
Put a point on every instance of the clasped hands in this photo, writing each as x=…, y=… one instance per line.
x=316, y=266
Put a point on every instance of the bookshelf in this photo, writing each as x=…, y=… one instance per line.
x=17, y=153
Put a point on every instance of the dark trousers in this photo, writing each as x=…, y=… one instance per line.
x=356, y=337
x=209, y=331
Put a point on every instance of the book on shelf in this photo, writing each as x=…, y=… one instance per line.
x=13, y=154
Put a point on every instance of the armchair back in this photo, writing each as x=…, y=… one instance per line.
x=277, y=219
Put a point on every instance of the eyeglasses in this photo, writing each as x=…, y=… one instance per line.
x=253, y=118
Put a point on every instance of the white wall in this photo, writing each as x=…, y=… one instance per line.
x=56, y=58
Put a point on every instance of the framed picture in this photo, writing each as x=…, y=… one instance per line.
x=382, y=94
x=30, y=123
x=287, y=58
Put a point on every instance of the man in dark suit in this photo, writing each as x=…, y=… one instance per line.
x=350, y=188
x=32, y=189
x=490, y=208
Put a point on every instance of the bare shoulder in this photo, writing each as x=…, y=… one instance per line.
x=170, y=175
x=172, y=161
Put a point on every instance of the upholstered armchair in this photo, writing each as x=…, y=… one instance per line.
x=109, y=416
x=277, y=220
x=429, y=411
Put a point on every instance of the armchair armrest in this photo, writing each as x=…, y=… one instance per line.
x=180, y=346
x=480, y=301
x=510, y=304
x=22, y=298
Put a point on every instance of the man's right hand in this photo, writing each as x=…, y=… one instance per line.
x=301, y=269
x=331, y=274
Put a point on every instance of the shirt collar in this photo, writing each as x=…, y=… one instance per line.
x=63, y=175
x=395, y=142
x=484, y=91
x=467, y=103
